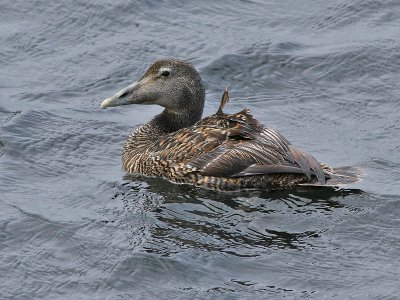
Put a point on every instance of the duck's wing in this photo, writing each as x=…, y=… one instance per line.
x=244, y=147
x=233, y=145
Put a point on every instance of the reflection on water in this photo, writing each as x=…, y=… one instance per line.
x=325, y=74
x=242, y=223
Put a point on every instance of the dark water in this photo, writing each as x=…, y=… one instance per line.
x=323, y=73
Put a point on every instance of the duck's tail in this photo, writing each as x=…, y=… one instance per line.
x=340, y=176
x=344, y=175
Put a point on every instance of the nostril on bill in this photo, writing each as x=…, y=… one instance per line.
x=124, y=93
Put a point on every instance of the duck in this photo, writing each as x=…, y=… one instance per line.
x=222, y=151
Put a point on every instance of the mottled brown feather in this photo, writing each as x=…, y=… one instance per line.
x=223, y=146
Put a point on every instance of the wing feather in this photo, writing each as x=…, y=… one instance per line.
x=234, y=145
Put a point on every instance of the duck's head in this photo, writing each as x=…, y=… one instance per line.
x=170, y=83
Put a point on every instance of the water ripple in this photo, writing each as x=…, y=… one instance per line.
x=324, y=74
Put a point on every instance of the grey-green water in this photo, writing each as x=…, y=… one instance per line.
x=325, y=74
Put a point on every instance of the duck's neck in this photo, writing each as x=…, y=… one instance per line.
x=167, y=122
x=163, y=124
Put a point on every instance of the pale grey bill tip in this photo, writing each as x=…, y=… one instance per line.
x=105, y=103
x=112, y=101
x=119, y=98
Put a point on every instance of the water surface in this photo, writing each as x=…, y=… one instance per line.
x=325, y=74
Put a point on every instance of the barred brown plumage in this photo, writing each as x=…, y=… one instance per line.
x=221, y=151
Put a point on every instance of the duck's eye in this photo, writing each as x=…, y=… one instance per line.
x=165, y=73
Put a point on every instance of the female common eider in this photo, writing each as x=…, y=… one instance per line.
x=222, y=151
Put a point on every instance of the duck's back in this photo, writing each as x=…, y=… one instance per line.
x=224, y=151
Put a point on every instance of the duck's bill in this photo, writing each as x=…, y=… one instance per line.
x=120, y=98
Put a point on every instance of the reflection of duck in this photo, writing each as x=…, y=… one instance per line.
x=222, y=151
